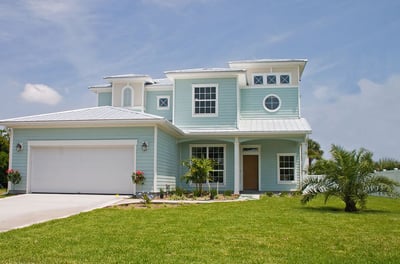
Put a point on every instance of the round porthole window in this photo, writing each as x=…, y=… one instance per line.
x=272, y=103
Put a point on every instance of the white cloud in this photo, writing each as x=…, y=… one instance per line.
x=40, y=93
x=369, y=118
x=52, y=10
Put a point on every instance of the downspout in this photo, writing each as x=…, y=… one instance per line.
x=10, y=156
x=155, y=159
x=298, y=89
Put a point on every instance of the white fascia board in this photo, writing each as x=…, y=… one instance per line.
x=101, y=89
x=203, y=74
x=166, y=125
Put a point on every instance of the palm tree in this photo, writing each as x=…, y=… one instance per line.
x=199, y=172
x=348, y=175
x=314, y=151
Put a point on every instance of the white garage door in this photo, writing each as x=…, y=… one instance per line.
x=82, y=166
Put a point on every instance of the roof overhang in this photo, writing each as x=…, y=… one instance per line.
x=246, y=64
x=129, y=78
x=205, y=73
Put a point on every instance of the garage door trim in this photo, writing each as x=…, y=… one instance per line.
x=83, y=143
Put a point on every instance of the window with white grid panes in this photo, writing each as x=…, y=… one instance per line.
x=216, y=153
x=205, y=100
x=286, y=167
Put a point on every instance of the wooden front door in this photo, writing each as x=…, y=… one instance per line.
x=250, y=172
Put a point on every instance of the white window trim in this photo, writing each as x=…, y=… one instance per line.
x=278, y=79
x=258, y=74
x=158, y=102
x=208, y=146
x=278, y=168
x=216, y=100
x=123, y=96
x=274, y=110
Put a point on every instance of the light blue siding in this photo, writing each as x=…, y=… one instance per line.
x=152, y=103
x=227, y=106
x=144, y=160
x=252, y=102
x=167, y=160
x=104, y=99
x=269, y=163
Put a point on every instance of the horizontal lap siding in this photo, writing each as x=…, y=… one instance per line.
x=104, y=99
x=167, y=160
x=269, y=169
x=252, y=102
x=152, y=103
x=227, y=108
x=144, y=160
x=269, y=163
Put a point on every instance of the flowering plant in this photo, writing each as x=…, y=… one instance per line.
x=13, y=176
x=138, y=177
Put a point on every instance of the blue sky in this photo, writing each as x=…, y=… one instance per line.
x=51, y=51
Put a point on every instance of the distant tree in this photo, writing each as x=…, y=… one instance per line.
x=349, y=176
x=199, y=172
x=314, y=153
x=387, y=164
x=4, y=150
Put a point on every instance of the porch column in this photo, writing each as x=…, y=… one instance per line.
x=236, y=183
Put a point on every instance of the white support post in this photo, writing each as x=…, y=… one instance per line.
x=237, y=167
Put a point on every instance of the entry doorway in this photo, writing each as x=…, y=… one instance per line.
x=250, y=162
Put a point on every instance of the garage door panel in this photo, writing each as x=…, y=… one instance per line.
x=82, y=169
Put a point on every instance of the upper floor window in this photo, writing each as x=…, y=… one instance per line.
x=205, y=100
x=127, y=97
x=286, y=167
x=284, y=78
x=272, y=103
x=162, y=102
x=258, y=79
x=271, y=78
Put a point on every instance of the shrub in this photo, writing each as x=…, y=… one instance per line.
x=228, y=193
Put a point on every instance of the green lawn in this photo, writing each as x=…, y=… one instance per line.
x=272, y=230
x=2, y=193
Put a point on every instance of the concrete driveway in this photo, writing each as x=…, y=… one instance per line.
x=27, y=209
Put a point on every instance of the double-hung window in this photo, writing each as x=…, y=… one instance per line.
x=286, y=168
x=213, y=152
x=205, y=100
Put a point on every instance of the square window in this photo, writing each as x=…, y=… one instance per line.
x=258, y=79
x=284, y=78
x=162, y=102
x=271, y=79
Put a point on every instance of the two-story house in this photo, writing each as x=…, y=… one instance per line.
x=246, y=117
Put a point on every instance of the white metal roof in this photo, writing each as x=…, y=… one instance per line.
x=296, y=125
x=207, y=70
x=86, y=114
x=257, y=127
x=130, y=75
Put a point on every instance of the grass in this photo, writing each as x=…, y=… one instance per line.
x=2, y=193
x=272, y=230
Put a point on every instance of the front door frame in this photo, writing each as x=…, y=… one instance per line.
x=250, y=150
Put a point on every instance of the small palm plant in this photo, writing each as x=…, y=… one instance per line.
x=199, y=172
x=348, y=175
